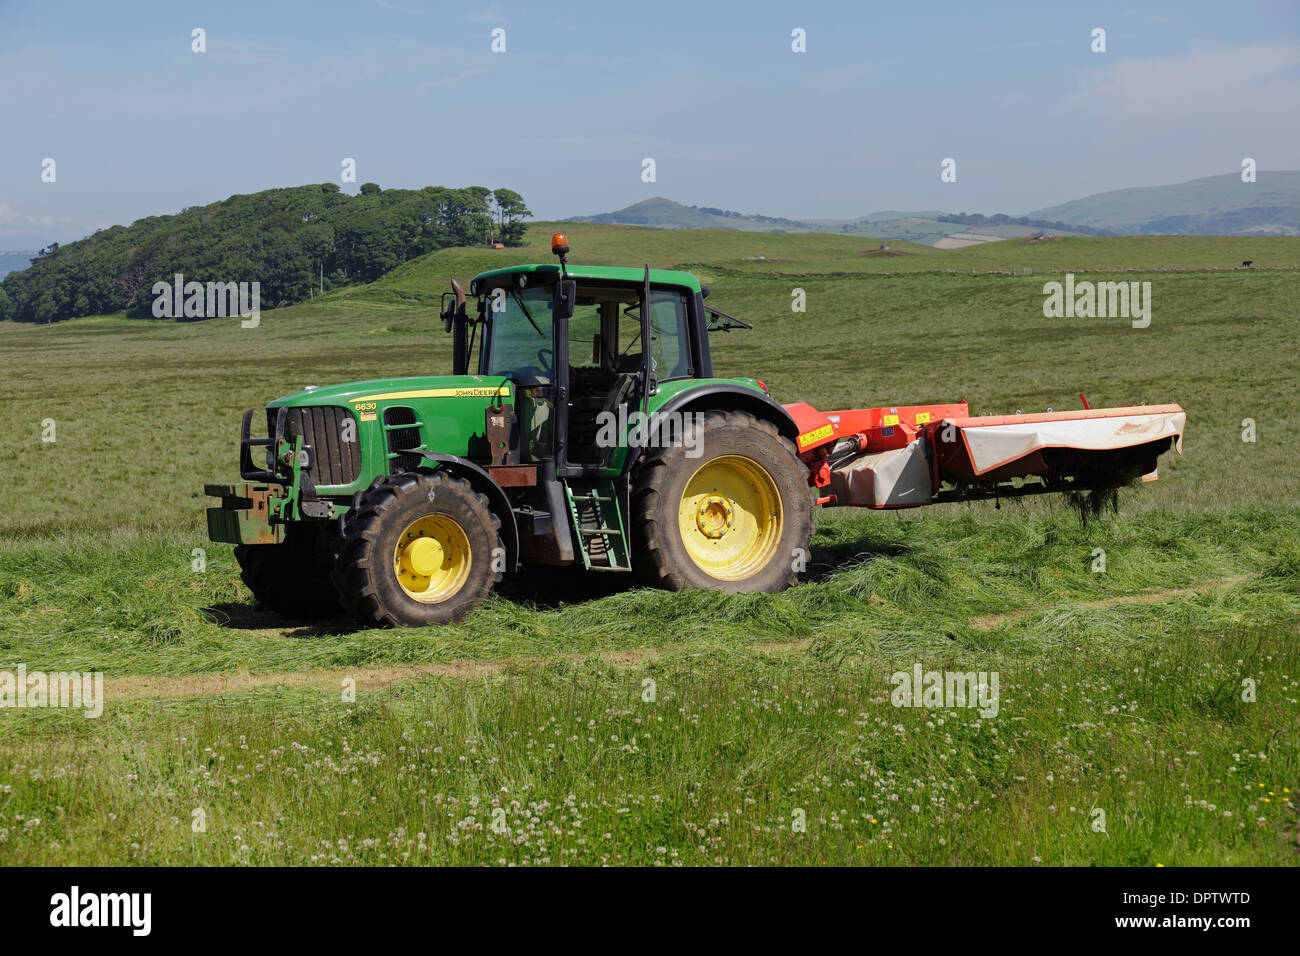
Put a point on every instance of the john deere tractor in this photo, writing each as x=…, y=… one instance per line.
x=582, y=425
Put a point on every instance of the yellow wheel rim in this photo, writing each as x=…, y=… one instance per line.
x=432, y=558
x=730, y=518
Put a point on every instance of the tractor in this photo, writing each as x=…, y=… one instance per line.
x=583, y=426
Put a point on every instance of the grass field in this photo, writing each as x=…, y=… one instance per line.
x=1121, y=691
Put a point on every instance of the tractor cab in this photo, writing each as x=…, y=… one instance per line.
x=581, y=348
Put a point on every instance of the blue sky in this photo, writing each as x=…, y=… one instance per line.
x=139, y=125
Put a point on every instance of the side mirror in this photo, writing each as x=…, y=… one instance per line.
x=563, y=298
x=452, y=302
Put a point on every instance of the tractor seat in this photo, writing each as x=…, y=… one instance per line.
x=586, y=416
x=620, y=393
x=624, y=385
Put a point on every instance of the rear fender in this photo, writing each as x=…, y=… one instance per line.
x=728, y=398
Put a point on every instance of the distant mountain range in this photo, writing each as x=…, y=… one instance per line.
x=930, y=227
x=1212, y=206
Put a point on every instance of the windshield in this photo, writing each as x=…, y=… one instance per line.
x=604, y=333
x=517, y=335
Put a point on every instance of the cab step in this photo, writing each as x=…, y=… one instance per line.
x=598, y=521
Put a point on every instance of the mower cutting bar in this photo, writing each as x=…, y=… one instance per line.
x=1008, y=445
x=906, y=456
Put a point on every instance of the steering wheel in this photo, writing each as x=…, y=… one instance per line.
x=542, y=374
x=531, y=375
x=547, y=357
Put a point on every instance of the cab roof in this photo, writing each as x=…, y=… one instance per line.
x=551, y=271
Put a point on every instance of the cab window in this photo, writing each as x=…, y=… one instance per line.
x=517, y=334
x=670, y=341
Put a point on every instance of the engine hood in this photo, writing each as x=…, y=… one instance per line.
x=380, y=390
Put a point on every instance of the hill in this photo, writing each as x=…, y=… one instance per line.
x=295, y=242
x=1214, y=205
x=663, y=213
x=888, y=215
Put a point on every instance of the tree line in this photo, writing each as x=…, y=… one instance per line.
x=296, y=242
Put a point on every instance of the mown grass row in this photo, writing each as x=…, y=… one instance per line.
x=134, y=604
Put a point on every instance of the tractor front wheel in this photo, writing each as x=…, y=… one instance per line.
x=292, y=578
x=738, y=517
x=417, y=549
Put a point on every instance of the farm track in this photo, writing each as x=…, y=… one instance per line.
x=163, y=687
x=989, y=621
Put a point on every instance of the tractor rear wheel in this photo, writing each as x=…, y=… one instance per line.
x=292, y=578
x=738, y=517
x=416, y=549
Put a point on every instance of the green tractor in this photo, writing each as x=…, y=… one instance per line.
x=582, y=425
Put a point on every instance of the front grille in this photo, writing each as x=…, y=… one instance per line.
x=331, y=433
x=402, y=440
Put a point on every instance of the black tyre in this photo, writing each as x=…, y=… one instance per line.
x=292, y=578
x=417, y=549
x=736, y=518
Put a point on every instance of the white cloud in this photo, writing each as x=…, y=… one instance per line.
x=1202, y=83
x=269, y=82
x=13, y=220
